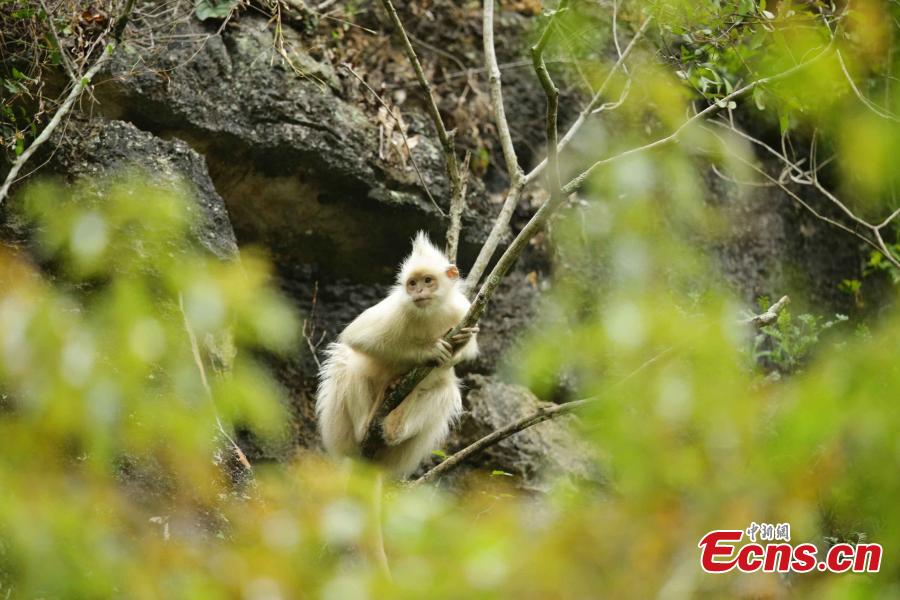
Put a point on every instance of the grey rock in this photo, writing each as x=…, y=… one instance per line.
x=94, y=147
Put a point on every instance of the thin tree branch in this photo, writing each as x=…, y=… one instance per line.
x=518, y=182
x=809, y=178
x=64, y=57
x=513, y=170
x=69, y=102
x=497, y=231
x=457, y=203
x=552, y=93
x=542, y=414
x=198, y=360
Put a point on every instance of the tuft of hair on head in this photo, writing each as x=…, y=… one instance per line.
x=425, y=256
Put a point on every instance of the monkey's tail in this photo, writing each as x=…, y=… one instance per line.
x=380, y=554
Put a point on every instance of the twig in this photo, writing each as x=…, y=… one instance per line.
x=552, y=93
x=770, y=316
x=195, y=351
x=68, y=103
x=445, y=137
x=310, y=329
x=881, y=112
x=402, y=134
x=496, y=234
x=542, y=414
x=799, y=176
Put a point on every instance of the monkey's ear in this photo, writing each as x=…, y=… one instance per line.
x=452, y=272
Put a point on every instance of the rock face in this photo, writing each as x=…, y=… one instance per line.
x=104, y=147
x=774, y=247
x=298, y=165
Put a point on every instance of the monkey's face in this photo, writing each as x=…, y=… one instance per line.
x=423, y=288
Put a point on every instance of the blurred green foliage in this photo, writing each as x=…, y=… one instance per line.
x=111, y=477
x=786, y=345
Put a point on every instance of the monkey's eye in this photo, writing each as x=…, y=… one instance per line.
x=411, y=282
x=428, y=280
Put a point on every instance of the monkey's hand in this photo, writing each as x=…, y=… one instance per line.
x=442, y=353
x=462, y=338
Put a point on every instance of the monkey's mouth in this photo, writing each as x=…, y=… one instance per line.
x=421, y=301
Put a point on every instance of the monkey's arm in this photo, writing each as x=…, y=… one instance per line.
x=380, y=332
x=370, y=331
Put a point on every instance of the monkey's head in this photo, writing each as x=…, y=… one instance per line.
x=426, y=275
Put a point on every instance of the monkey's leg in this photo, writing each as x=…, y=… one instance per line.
x=433, y=399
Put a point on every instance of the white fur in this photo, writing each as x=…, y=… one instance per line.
x=380, y=345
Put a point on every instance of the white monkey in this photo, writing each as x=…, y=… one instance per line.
x=402, y=331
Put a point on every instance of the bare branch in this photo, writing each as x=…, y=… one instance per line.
x=497, y=232
x=552, y=93
x=198, y=360
x=513, y=171
x=542, y=414
x=64, y=56
x=801, y=177
x=881, y=112
x=770, y=316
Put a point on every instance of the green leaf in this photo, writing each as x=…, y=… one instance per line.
x=440, y=454
x=759, y=98
x=498, y=473
x=214, y=9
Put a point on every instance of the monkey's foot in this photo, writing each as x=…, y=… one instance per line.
x=392, y=428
